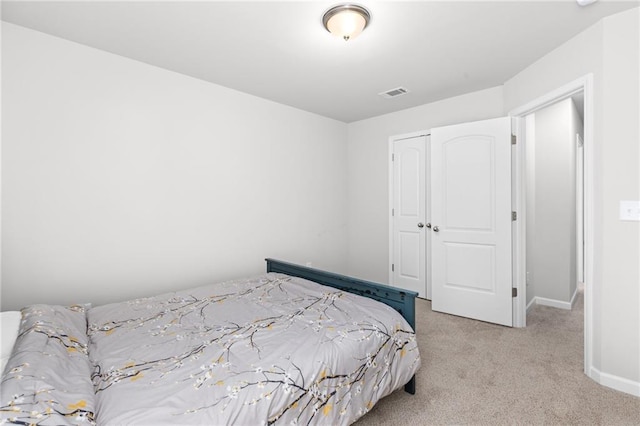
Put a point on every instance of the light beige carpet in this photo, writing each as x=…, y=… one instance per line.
x=477, y=373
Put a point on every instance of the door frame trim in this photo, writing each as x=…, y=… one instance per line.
x=393, y=139
x=580, y=208
x=583, y=84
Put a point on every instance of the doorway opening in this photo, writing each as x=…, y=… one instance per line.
x=580, y=90
x=554, y=203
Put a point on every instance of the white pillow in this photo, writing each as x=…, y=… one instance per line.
x=9, y=326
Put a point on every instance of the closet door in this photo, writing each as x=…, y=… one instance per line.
x=408, y=213
x=471, y=220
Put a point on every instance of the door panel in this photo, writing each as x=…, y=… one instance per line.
x=409, y=161
x=470, y=267
x=471, y=215
x=471, y=157
x=409, y=259
x=409, y=203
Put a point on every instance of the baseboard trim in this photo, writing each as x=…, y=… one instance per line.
x=575, y=294
x=553, y=303
x=614, y=382
x=531, y=304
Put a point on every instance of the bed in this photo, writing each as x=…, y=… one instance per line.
x=296, y=345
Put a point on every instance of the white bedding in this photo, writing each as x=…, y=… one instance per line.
x=9, y=325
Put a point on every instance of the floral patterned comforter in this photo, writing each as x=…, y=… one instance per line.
x=271, y=349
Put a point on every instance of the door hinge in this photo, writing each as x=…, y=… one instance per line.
x=514, y=292
x=513, y=139
x=393, y=212
x=393, y=156
x=393, y=267
x=514, y=216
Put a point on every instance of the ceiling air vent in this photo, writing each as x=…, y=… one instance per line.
x=394, y=93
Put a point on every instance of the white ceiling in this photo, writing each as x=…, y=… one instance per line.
x=280, y=51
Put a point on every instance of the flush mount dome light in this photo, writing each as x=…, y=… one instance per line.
x=346, y=20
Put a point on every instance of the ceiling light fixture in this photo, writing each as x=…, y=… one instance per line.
x=346, y=20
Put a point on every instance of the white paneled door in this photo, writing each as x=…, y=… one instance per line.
x=408, y=203
x=471, y=220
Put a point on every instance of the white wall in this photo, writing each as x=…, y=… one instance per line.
x=121, y=179
x=620, y=285
x=610, y=50
x=551, y=255
x=368, y=161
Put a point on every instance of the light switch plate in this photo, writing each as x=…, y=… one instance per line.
x=630, y=210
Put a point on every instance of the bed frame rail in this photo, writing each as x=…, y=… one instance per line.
x=402, y=301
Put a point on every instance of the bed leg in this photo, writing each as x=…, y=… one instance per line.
x=410, y=387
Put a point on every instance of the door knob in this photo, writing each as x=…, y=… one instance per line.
x=420, y=225
x=436, y=229
x=428, y=225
